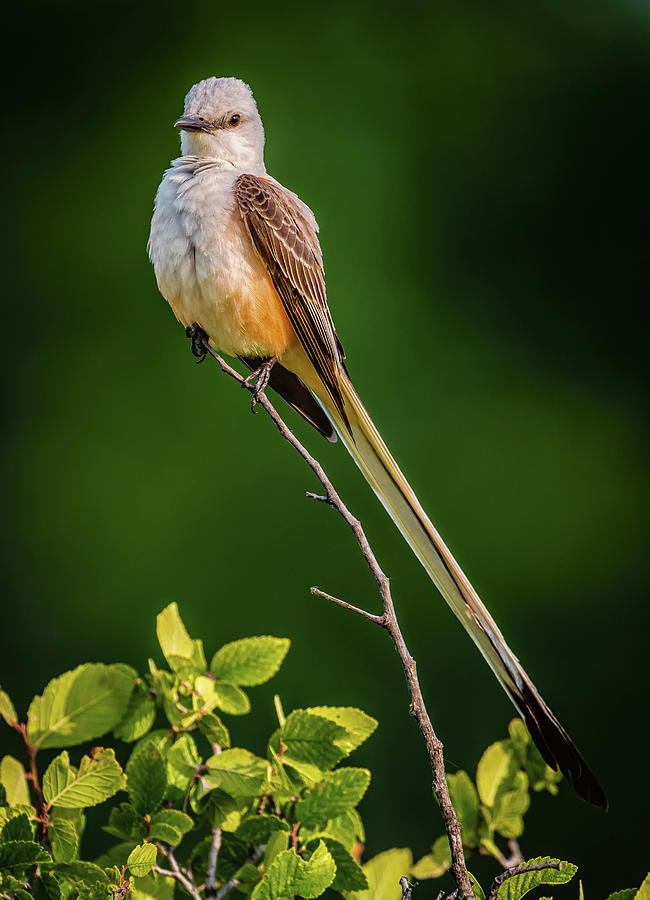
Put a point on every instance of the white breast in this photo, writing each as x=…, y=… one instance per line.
x=205, y=264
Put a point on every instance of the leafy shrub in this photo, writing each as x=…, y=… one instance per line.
x=205, y=818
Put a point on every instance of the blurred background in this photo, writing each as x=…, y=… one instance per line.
x=479, y=172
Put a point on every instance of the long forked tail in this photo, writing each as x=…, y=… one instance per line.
x=382, y=473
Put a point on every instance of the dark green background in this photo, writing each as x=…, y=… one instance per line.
x=478, y=172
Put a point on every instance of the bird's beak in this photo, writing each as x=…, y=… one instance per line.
x=193, y=123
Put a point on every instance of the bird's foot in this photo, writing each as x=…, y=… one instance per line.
x=261, y=377
x=198, y=341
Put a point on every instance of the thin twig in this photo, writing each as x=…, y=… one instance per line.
x=519, y=870
x=388, y=621
x=406, y=888
x=185, y=880
x=211, y=877
x=378, y=620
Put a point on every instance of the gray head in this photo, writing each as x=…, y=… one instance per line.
x=221, y=121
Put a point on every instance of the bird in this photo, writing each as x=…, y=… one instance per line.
x=237, y=256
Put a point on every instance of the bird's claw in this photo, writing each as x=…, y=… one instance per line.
x=262, y=375
x=198, y=341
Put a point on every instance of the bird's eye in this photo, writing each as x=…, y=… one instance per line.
x=234, y=121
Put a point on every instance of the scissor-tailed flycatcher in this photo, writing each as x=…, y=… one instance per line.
x=238, y=255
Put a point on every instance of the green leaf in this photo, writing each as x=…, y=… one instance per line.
x=182, y=761
x=12, y=777
x=223, y=811
x=80, y=705
x=139, y=717
x=146, y=780
x=251, y=661
x=478, y=890
x=518, y=885
x=289, y=875
x=510, y=806
x=358, y=725
x=64, y=839
x=98, y=778
x=231, y=699
x=184, y=655
x=349, y=874
x=383, y=873
x=311, y=739
x=153, y=887
x=214, y=730
x=495, y=765
x=434, y=864
x=7, y=709
x=644, y=890
x=141, y=860
x=256, y=829
x=465, y=801
x=237, y=772
x=17, y=828
x=125, y=824
x=17, y=854
x=335, y=794
x=625, y=894
x=169, y=825
x=277, y=843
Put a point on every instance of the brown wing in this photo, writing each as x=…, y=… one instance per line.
x=287, y=244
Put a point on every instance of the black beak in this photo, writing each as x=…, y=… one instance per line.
x=193, y=123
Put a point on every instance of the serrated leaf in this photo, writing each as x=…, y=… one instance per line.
x=495, y=765
x=290, y=875
x=358, y=725
x=7, y=709
x=80, y=705
x=98, y=778
x=139, y=716
x=223, y=811
x=436, y=863
x=169, y=825
x=310, y=739
x=141, y=860
x=335, y=794
x=519, y=885
x=146, y=780
x=383, y=873
x=349, y=874
x=626, y=894
x=237, y=772
x=64, y=840
x=17, y=854
x=18, y=828
x=251, y=661
x=12, y=777
x=465, y=801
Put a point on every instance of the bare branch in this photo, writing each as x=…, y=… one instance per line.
x=378, y=620
x=184, y=879
x=211, y=879
x=389, y=621
x=519, y=870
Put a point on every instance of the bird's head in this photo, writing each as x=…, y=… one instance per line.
x=221, y=121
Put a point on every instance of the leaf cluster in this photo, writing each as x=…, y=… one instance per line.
x=195, y=814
